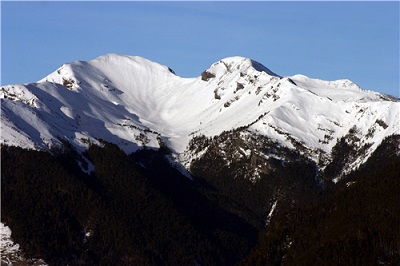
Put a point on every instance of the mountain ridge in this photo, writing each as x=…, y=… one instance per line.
x=121, y=161
x=135, y=103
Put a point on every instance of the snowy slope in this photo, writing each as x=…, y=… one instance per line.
x=134, y=102
x=11, y=253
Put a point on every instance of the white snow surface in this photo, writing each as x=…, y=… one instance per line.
x=133, y=102
x=7, y=246
x=11, y=253
x=271, y=212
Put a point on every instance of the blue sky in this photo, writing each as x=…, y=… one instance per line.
x=325, y=40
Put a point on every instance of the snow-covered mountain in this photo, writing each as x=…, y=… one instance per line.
x=135, y=103
x=260, y=150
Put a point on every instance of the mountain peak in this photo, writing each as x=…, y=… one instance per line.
x=110, y=70
x=133, y=102
x=237, y=64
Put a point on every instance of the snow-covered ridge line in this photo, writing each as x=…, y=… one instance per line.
x=134, y=102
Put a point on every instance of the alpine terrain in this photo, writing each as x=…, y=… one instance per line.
x=118, y=160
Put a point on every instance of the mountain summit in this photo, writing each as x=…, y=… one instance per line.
x=119, y=161
x=134, y=103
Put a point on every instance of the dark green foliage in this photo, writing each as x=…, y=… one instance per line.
x=228, y=233
x=227, y=170
x=139, y=210
x=44, y=204
x=342, y=153
x=358, y=224
x=347, y=149
x=135, y=215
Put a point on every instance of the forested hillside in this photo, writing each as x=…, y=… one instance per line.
x=119, y=215
x=358, y=224
x=139, y=210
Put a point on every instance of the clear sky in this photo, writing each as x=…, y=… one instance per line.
x=325, y=40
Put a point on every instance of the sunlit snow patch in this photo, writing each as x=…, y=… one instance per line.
x=11, y=253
